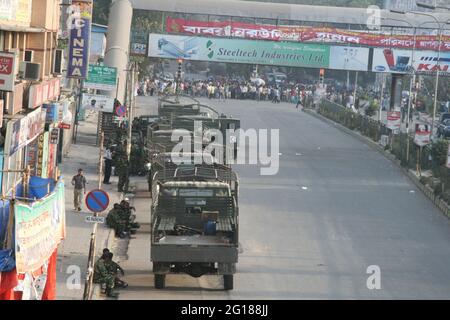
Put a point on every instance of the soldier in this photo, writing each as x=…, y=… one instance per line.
x=126, y=214
x=103, y=276
x=115, y=220
x=114, y=269
x=122, y=170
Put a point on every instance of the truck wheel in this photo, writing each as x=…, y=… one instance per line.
x=160, y=281
x=228, y=281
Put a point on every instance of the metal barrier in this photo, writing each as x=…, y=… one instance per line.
x=374, y=130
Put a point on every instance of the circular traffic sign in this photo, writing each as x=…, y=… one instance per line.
x=97, y=200
x=120, y=111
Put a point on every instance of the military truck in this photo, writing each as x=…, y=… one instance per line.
x=194, y=223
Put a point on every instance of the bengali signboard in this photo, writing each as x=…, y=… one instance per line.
x=239, y=51
x=40, y=155
x=394, y=120
x=97, y=102
x=302, y=34
x=422, y=134
x=139, y=49
x=45, y=155
x=79, y=40
x=39, y=228
x=32, y=156
x=401, y=61
x=7, y=67
x=101, y=78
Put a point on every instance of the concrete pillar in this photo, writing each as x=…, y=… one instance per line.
x=118, y=42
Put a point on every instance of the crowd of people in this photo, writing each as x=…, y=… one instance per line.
x=230, y=89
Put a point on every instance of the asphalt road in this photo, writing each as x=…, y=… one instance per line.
x=335, y=208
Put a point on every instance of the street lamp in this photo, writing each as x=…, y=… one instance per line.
x=438, y=67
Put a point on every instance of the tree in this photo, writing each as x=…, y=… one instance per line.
x=100, y=12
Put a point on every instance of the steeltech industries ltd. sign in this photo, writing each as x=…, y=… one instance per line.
x=239, y=51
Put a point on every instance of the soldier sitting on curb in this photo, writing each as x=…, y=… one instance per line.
x=116, y=220
x=114, y=269
x=127, y=216
x=103, y=276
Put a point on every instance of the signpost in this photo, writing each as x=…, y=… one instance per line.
x=101, y=78
x=394, y=120
x=121, y=111
x=94, y=219
x=423, y=134
x=97, y=200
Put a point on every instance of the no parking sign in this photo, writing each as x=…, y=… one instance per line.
x=97, y=200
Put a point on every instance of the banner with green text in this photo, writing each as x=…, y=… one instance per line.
x=40, y=227
x=239, y=51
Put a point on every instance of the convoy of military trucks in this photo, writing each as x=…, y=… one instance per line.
x=194, y=194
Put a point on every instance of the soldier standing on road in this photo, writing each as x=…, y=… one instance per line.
x=79, y=183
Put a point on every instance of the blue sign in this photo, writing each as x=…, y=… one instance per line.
x=79, y=49
x=120, y=111
x=97, y=200
x=51, y=112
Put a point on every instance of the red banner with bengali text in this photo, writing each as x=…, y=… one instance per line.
x=302, y=34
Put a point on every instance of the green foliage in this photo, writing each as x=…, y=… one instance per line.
x=372, y=109
x=439, y=152
x=101, y=11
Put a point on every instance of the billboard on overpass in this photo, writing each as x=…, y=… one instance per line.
x=402, y=61
x=239, y=51
x=349, y=58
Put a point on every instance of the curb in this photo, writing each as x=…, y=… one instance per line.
x=438, y=202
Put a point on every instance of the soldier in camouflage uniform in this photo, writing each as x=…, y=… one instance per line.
x=103, y=276
x=114, y=269
x=122, y=171
x=115, y=219
x=127, y=215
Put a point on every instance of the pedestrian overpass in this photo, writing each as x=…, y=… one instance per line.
x=363, y=19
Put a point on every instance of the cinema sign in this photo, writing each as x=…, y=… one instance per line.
x=79, y=39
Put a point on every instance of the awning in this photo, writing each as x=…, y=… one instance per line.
x=21, y=29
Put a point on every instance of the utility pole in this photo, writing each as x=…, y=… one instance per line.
x=411, y=84
x=130, y=106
